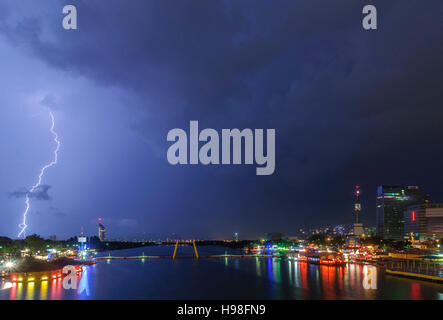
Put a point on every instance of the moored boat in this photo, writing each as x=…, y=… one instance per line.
x=321, y=257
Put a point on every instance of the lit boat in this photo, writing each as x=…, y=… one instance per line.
x=321, y=257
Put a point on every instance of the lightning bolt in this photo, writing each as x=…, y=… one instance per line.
x=23, y=225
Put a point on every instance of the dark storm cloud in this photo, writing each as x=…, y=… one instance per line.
x=52, y=212
x=198, y=54
x=349, y=106
x=40, y=193
x=57, y=212
x=50, y=101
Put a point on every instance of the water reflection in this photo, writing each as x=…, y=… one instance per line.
x=415, y=291
x=44, y=290
x=30, y=290
x=328, y=281
x=353, y=281
x=19, y=291
x=56, y=289
x=83, y=286
x=258, y=266
x=270, y=273
x=263, y=278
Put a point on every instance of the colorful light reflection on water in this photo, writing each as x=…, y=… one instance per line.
x=255, y=278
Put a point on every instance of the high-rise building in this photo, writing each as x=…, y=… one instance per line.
x=370, y=231
x=101, y=231
x=424, y=221
x=392, y=201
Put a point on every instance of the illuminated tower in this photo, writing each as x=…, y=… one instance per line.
x=82, y=242
x=358, y=227
x=101, y=230
x=357, y=207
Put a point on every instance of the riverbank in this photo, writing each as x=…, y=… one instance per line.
x=415, y=275
x=28, y=264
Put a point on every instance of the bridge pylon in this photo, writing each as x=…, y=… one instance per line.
x=176, y=245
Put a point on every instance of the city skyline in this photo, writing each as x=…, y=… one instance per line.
x=295, y=230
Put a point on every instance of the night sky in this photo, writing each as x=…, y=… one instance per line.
x=349, y=107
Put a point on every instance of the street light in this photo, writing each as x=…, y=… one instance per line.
x=9, y=264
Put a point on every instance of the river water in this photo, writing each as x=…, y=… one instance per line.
x=221, y=278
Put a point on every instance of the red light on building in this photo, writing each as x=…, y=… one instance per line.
x=413, y=215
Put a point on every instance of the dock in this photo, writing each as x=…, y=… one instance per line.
x=143, y=257
x=418, y=269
